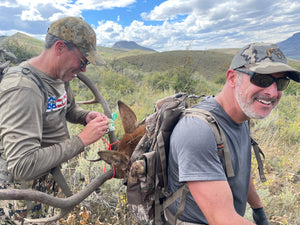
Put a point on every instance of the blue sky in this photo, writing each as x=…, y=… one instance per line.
x=163, y=25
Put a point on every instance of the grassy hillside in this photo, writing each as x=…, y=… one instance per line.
x=23, y=39
x=206, y=63
x=22, y=45
x=109, y=53
x=116, y=53
x=230, y=51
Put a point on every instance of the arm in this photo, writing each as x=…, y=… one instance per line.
x=215, y=200
x=253, y=198
x=21, y=134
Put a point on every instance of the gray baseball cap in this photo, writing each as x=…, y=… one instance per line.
x=78, y=32
x=264, y=58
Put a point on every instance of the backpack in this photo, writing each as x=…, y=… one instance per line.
x=147, y=184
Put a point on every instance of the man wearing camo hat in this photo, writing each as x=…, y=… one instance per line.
x=35, y=103
x=256, y=79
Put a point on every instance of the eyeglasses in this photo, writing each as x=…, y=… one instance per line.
x=265, y=80
x=83, y=63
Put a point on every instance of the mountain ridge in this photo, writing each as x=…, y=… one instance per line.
x=130, y=45
x=291, y=46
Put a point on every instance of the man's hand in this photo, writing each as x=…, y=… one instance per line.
x=94, y=130
x=260, y=217
x=92, y=115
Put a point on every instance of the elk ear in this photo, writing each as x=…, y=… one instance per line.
x=115, y=158
x=128, y=117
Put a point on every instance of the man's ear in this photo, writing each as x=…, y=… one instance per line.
x=232, y=77
x=59, y=47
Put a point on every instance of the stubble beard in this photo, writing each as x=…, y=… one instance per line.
x=246, y=105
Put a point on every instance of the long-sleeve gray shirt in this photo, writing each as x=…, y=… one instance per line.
x=35, y=139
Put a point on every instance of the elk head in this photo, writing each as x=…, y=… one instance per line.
x=133, y=132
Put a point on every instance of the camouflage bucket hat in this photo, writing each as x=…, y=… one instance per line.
x=264, y=58
x=78, y=32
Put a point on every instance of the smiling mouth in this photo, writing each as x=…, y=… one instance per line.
x=266, y=101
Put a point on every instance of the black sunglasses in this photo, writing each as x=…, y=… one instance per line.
x=265, y=80
x=83, y=63
x=71, y=47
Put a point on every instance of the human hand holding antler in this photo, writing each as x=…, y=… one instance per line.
x=97, y=125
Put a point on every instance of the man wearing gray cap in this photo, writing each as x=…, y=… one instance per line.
x=36, y=102
x=255, y=81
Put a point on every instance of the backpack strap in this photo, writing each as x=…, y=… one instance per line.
x=222, y=146
x=180, y=193
x=36, y=79
x=258, y=152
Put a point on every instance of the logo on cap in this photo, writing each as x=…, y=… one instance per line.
x=276, y=51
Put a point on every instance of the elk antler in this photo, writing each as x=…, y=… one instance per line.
x=66, y=204
x=98, y=99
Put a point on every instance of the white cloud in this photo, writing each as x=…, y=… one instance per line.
x=224, y=24
x=10, y=4
x=178, y=24
x=104, y=4
x=171, y=9
x=108, y=32
x=31, y=15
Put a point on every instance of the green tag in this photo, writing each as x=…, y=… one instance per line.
x=114, y=116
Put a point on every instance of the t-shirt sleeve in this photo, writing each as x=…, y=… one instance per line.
x=193, y=144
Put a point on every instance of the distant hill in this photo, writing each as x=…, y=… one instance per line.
x=291, y=46
x=24, y=38
x=208, y=63
x=24, y=41
x=2, y=37
x=130, y=45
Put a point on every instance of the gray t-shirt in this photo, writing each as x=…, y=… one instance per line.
x=193, y=157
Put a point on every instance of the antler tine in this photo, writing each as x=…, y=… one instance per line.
x=99, y=99
x=66, y=204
